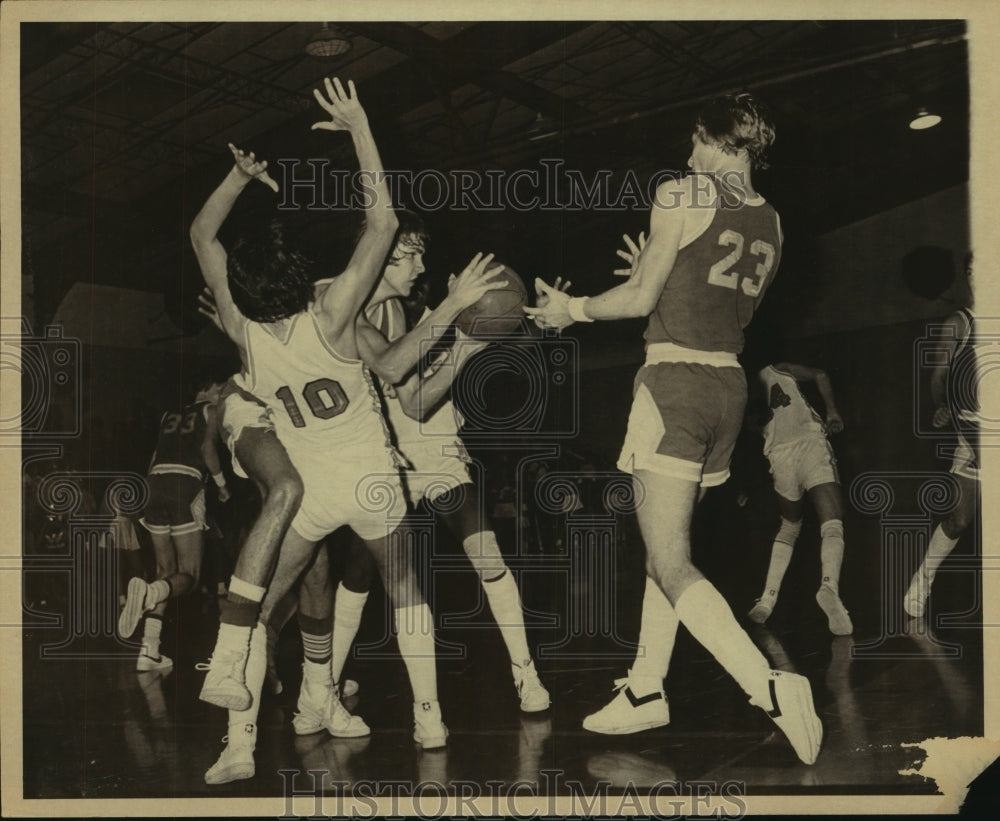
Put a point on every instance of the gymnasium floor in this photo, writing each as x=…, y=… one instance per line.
x=93, y=727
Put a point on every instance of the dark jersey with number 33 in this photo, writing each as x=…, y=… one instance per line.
x=178, y=446
x=719, y=277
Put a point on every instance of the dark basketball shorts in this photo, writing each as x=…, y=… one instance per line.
x=176, y=504
x=684, y=421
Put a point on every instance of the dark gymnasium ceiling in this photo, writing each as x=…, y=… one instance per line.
x=124, y=125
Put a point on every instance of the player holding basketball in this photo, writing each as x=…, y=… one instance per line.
x=175, y=519
x=955, y=391
x=801, y=459
x=714, y=244
x=302, y=357
x=426, y=428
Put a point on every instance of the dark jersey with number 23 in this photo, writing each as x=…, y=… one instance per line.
x=719, y=277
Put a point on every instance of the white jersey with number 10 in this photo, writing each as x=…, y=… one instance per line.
x=316, y=396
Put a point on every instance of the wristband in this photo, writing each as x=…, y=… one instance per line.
x=575, y=308
x=219, y=479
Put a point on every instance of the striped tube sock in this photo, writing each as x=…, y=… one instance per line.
x=316, y=638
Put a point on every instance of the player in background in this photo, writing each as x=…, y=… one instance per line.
x=714, y=245
x=954, y=386
x=802, y=461
x=426, y=424
x=175, y=518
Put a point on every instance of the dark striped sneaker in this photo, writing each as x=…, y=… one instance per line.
x=630, y=711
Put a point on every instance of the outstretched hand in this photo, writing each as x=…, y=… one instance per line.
x=475, y=280
x=207, y=307
x=542, y=298
x=346, y=113
x=631, y=256
x=249, y=166
x=834, y=423
x=552, y=306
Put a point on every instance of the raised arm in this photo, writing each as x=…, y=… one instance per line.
x=805, y=374
x=205, y=240
x=638, y=295
x=342, y=301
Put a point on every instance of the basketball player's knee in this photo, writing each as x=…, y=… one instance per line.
x=484, y=554
x=284, y=495
x=319, y=572
x=788, y=532
x=191, y=566
x=958, y=522
x=664, y=565
x=358, y=575
x=832, y=529
x=165, y=567
x=403, y=591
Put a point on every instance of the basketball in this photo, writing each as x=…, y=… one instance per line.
x=497, y=312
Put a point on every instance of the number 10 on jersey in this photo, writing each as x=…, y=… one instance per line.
x=325, y=398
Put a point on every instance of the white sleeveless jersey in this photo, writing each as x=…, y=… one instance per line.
x=790, y=416
x=414, y=437
x=316, y=397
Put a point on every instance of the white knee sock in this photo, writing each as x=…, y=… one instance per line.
x=831, y=551
x=705, y=614
x=505, y=604
x=656, y=640
x=254, y=676
x=151, y=628
x=938, y=550
x=415, y=635
x=781, y=556
x=159, y=591
x=347, y=610
x=501, y=591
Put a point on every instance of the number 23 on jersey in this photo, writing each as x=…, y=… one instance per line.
x=724, y=273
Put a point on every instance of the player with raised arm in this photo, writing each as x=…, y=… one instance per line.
x=954, y=386
x=714, y=245
x=802, y=461
x=425, y=425
x=175, y=518
x=302, y=361
x=393, y=361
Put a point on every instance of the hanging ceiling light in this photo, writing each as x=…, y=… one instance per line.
x=329, y=41
x=924, y=119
